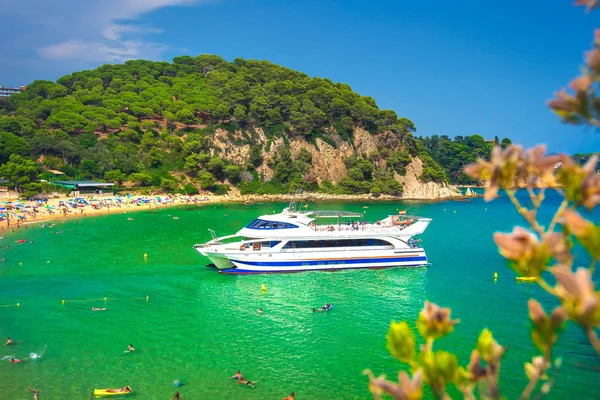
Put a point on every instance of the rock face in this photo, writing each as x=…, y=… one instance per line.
x=414, y=188
x=327, y=160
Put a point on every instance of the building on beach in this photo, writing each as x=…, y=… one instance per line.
x=5, y=92
x=86, y=187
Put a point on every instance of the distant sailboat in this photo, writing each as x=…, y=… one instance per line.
x=468, y=193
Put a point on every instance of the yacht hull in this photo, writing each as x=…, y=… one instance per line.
x=263, y=265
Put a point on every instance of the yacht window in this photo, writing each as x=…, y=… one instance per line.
x=311, y=244
x=261, y=224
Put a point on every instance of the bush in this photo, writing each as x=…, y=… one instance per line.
x=190, y=189
x=221, y=189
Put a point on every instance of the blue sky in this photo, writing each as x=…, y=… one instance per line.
x=452, y=67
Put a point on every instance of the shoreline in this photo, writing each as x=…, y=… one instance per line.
x=86, y=212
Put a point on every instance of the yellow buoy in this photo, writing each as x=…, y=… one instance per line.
x=18, y=304
x=146, y=298
x=495, y=275
x=263, y=287
x=145, y=255
x=454, y=211
x=21, y=264
x=63, y=302
x=48, y=261
x=105, y=299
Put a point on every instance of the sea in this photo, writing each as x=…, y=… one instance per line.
x=190, y=324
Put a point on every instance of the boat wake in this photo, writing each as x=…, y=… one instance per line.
x=7, y=358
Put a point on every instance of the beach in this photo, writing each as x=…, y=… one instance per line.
x=27, y=213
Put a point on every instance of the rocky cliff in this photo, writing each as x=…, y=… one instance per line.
x=328, y=160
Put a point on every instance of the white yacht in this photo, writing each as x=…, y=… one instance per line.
x=300, y=240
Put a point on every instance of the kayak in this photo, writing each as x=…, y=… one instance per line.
x=103, y=392
x=527, y=278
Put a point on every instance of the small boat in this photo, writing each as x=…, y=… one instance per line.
x=117, y=392
x=527, y=279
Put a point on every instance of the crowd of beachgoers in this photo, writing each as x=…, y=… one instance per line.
x=15, y=214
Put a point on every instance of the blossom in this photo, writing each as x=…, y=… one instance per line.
x=545, y=328
x=516, y=245
x=581, y=83
x=593, y=60
x=559, y=247
x=499, y=172
x=590, y=186
x=577, y=225
x=475, y=368
x=536, y=368
x=489, y=349
x=528, y=256
x=434, y=321
x=536, y=312
x=564, y=103
x=589, y=4
x=537, y=166
x=405, y=389
x=581, y=184
x=576, y=292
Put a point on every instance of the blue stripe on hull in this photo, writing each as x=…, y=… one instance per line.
x=337, y=262
x=239, y=271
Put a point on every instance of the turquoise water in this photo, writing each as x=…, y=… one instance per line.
x=201, y=326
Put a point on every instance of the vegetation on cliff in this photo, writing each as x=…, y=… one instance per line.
x=174, y=125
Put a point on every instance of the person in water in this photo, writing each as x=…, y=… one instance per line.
x=176, y=397
x=36, y=393
x=14, y=360
x=98, y=309
x=130, y=348
x=260, y=311
x=325, y=307
x=290, y=397
x=240, y=379
x=8, y=341
x=126, y=389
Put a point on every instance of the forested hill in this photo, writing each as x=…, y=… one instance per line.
x=205, y=123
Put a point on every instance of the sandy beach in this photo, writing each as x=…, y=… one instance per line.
x=22, y=213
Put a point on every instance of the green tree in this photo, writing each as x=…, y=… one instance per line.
x=115, y=176
x=207, y=180
x=12, y=144
x=155, y=157
x=505, y=143
x=19, y=171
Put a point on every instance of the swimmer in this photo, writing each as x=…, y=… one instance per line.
x=14, y=360
x=290, y=397
x=176, y=397
x=8, y=341
x=238, y=375
x=36, y=393
x=245, y=382
x=126, y=389
x=98, y=309
x=240, y=379
x=260, y=311
x=130, y=348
